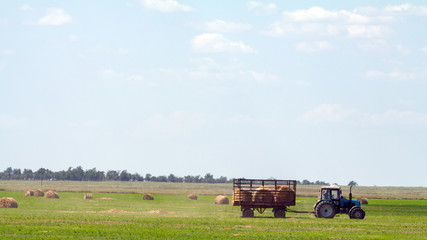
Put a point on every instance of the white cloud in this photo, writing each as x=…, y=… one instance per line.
x=127, y=79
x=374, y=74
x=3, y=22
x=206, y=74
x=176, y=124
x=260, y=8
x=55, y=17
x=393, y=116
x=314, y=47
x=407, y=103
x=2, y=65
x=407, y=9
x=382, y=46
x=395, y=75
x=334, y=113
x=12, y=121
x=73, y=38
x=123, y=51
x=424, y=50
x=101, y=49
x=110, y=73
x=375, y=45
x=245, y=119
x=329, y=113
x=216, y=43
x=318, y=14
x=368, y=31
x=8, y=52
x=366, y=22
x=313, y=14
x=223, y=26
x=165, y=6
x=289, y=29
x=303, y=83
x=264, y=77
x=136, y=78
x=26, y=7
x=398, y=8
x=403, y=49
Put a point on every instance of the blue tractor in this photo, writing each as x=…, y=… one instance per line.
x=332, y=202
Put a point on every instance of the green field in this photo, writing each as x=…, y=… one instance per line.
x=173, y=216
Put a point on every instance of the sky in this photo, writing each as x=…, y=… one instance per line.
x=332, y=90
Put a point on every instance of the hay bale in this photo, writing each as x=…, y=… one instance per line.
x=158, y=211
x=38, y=193
x=221, y=200
x=284, y=194
x=263, y=194
x=87, y=196
x=7, y=202
x=29, y=193
x=363, y=200
x=240, y=195
x=51, y=194
x=147, y=197
x=115, y=211
x=192, y=196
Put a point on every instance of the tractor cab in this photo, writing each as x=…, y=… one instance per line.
x=330, y=192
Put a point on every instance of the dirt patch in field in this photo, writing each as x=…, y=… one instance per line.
x=115, y=211
x=160, y=211
x=107, y=198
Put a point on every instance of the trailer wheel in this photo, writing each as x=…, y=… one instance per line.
x=279, y=213
x=325, y=210
x=356, y=213
x=248, y=213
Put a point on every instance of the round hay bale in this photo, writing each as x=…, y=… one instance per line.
x=87, y=196
x=242, y=195
x=263, y=194
x=192, y=196
x=147, y=197
x=51, y=194
x=7, y=202
x=221, y=200
x=38, y=193
x=284, y=194
x=363, y=200
x=29, y=193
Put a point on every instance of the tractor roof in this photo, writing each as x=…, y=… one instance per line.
x=331, y=187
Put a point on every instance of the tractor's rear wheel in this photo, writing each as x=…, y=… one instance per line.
x=325, y=210
x=248, y=213
x=279, y=213
x=356, y=213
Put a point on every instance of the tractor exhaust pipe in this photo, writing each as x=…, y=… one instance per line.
x=350, y=195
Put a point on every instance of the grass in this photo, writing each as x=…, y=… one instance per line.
x=73, y=217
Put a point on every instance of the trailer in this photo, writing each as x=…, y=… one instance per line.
x=261, y=194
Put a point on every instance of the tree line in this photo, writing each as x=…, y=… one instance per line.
x=78, y=174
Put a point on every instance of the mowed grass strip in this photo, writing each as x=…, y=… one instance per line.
x=127, y=216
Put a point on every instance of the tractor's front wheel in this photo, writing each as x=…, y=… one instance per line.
x=325, y=210
x=356, y=213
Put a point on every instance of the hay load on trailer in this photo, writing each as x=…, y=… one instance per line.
x=260, y=194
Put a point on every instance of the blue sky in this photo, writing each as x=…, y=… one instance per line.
x=332, y=91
